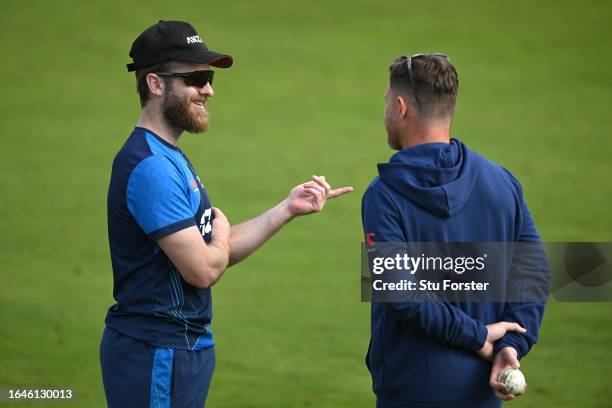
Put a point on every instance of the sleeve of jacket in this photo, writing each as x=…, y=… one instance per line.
x=438, y=320
x=530, y=265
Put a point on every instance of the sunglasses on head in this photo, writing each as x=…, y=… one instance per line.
x=199, y=79
x=409, y=66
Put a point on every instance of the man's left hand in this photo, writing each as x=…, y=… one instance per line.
x=505, y=358
x=311, y=197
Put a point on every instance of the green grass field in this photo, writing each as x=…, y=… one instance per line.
x=305, y=96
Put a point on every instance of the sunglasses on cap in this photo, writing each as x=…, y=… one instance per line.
x=199, y=79
x=409, y=66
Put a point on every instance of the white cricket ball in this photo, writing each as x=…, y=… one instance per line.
x=514, y=380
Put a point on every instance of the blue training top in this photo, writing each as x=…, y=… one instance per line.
x=424, y=353
x=154, y=191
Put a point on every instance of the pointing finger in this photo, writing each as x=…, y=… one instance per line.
x=339, y=191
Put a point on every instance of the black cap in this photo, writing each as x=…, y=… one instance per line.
x=173, y=41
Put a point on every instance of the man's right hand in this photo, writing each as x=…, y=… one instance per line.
x=495, y=332
x=221, y=230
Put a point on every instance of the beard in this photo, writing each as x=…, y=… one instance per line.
x=180, y=113
x=393, y=138
x=394, y=142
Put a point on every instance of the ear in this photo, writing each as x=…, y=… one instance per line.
x=404, y=105
x=156, y=85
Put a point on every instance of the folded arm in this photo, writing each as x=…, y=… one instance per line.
x=200, y=264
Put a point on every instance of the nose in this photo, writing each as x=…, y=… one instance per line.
x=206, y=90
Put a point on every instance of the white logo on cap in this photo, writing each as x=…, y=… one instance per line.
x=194, y=39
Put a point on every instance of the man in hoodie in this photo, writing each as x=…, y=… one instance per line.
x=435, y=189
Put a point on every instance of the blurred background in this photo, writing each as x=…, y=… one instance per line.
x=304, y=97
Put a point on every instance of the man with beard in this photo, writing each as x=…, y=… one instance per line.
x=168, y=244
x=435, y=189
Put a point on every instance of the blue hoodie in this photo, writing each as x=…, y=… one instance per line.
x=424, y=353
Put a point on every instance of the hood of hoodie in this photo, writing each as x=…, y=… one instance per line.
x=438, y=177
